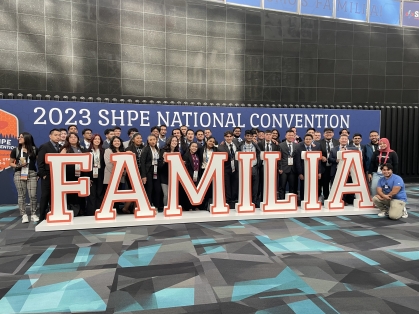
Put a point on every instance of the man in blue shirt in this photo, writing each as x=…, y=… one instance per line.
x=391, y=195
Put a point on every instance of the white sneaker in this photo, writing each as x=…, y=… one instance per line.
x=383, y=213
x=25, y=219
x=34, y=218
x=405, y=214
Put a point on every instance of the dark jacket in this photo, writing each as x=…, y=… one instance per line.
x=333, y=158
x=283, y=162
x=392, y=159
x=146, y=162
x=227, y=164
x=323, y=147
x=43, y=168
x=300, y=162
x=187, y=158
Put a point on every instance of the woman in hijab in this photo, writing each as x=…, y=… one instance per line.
x=383, y=155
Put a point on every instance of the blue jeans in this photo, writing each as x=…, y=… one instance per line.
x=374, y=182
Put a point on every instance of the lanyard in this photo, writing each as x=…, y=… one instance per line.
x=381, y=158
x=195, y=162
x=21, y=156
x=96, y=158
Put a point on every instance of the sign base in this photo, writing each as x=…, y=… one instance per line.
x=89, y=222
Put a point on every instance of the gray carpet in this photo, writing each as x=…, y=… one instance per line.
x=343, y=264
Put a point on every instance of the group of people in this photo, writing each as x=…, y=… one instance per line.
x=196, y=147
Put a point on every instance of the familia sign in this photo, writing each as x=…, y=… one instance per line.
x=39, y=117
x=350, y=164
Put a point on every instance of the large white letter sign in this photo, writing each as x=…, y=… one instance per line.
x=245, y=204
x=213, y=173
x=270, y=178
x=311, y=187
x=121, y=162
x=60, y=186
x=349, y=163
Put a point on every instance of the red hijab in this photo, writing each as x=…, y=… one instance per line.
x=387, y=149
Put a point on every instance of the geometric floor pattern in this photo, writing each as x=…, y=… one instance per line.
x=342, y=264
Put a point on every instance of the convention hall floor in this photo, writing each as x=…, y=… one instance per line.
x=343, y=264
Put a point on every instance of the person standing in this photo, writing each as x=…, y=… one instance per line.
x=391, y=196
x=287, y=164
x=306, y=146
x=23, y=160
x=205, y=154
x=192, y=165
x=326, y=146
x=115, y=146
x=87, y=139
x=171, y=146
x=231, y=169
x=149, y=171
x=49, y=147
x=384, y=155
x=72, y=173
x=95, y=198
x=266, y=145
x=109, y=134
x=162, y=135
x=369, y=150
x=248, y=145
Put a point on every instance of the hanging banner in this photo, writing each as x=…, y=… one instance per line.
x=385, y=11
x=317, y=7
x=39, y=117
x=411, y=14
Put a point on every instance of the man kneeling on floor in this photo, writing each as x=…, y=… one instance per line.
x=391, y=195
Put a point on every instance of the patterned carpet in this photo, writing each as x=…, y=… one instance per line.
x=343, y=264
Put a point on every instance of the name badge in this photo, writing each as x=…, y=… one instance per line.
x=155, y=172
x=77, y=170
x=195, y=176
x=95, y=172
x=290, y=161
x=24, y=172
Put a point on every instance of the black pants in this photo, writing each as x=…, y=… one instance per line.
x=94, y=200
x=255, y=185
x=45, y=197
x=325, y=181
x=347, y=198
x=153, y=190
x=231, y=184
x=290, y=178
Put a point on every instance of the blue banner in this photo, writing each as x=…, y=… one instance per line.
x=251, y=3
x=385, y=11
x=351, y=10
x=39, y=117
x=317, y=7
x=282, y=5
x=411, y=14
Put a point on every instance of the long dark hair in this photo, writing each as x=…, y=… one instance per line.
x=113, y=148
x=166, y=147
x=28, y=142
x=100, y=144
x=67, y=145
x=131, y=145
x=206, y=142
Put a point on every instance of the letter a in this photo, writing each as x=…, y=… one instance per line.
x=270, y=203
x=60, y=186
x=214, y=173
x=349, y=163
x=122, y=161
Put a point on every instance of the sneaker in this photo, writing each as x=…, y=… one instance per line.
x=25, y=219
x=383, y=213
x=34, y=218
x=405, y=214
